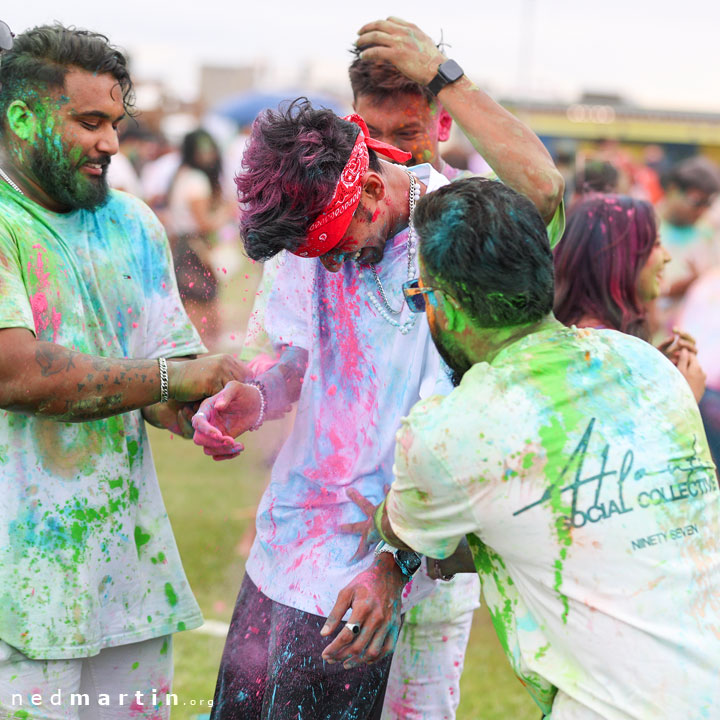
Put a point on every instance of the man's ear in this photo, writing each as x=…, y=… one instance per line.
x=444, y=125
x=22, y=121
x=455, y=319
x=373, y=185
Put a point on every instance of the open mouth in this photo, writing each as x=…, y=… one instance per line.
x=94, y=169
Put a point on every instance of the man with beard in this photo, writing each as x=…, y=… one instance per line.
x=314, y=184
x=91, y=584
x=575, y=463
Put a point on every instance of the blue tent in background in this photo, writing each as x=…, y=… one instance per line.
x=244, y=108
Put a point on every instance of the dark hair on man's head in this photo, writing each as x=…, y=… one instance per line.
x=596, y=176
x=607, y=240
x=487, y=246
x=695, y=173
x=290, y=168
x=379, y=80
x=42, y=56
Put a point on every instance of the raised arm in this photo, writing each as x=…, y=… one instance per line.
x=240, y=407
x=511, y=149
x=45, y=379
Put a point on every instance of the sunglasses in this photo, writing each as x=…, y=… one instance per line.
x=415, y=295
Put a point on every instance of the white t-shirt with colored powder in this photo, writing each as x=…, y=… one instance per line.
x=87, y=555
x=363, y=375
x=577, y=465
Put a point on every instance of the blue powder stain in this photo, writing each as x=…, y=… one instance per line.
x=242, y=696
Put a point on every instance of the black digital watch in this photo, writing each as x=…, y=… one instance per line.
x=447, y=72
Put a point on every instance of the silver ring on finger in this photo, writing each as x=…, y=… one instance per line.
x=354, y=628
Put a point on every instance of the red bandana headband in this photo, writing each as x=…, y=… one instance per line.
x=329, y=227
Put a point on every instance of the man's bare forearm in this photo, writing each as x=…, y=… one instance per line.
x=511, y=149
x=42, y=378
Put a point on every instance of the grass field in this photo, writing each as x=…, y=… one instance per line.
x=212, y=504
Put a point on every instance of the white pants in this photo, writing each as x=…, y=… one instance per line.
x=424, y=682
x=124, y=682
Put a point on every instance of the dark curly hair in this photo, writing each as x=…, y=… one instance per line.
x=290, y=168
x=42, y=56
x=487, y=246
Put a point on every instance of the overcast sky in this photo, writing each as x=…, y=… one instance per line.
x=655, y=52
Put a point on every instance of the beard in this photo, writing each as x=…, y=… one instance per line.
x=63, y=181
x=457, y=362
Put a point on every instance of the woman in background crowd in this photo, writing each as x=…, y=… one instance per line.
x=608, y=269
x=196, y=211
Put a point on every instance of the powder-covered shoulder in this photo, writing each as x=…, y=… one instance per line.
x=479, y=388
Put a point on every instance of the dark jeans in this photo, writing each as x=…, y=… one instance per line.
x=272, y=668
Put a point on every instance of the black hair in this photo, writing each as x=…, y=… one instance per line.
x=290, y=168
x=188, y=150
x=695, y=173
x=42, y=56
x=487, y=246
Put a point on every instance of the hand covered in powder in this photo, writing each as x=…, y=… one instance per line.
x=222, y=417
x=375, y=598
x=173, y=416
x=687, y=363
x=202, y=377
x=672, y=346
x=369, y=535
x=405, y=45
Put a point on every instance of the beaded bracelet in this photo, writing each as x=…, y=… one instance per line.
x=263, y=402
x=164, y=383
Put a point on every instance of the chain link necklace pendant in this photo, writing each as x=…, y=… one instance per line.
x=384, y=308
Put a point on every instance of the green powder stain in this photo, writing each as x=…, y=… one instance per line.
x=528, y=461
x=21, y=714
x=135, y=665
x=171, y=595
x=133, y=492
x=181, y=626
x=164, y=648
x=149, y=618
x=141, y=538
x=542, y=651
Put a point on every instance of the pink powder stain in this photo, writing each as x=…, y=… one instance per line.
x=39, y=306
x=39, y=269
x=332, y=390
x=135, y=325
x=55, y=320
x=129, y=311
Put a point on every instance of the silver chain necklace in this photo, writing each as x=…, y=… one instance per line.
x=385, y=308
x=10, y=182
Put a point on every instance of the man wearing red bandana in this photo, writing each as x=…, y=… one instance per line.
x=355, y=360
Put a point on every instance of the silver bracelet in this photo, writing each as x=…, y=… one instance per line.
x=263, y=402
x=164, y=383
